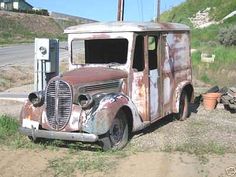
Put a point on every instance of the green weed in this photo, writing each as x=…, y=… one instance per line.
x=205, y=78
x=8, y=127
x=196, y=58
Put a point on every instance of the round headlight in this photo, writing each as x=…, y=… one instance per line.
x=85, y=101
x=36, y=98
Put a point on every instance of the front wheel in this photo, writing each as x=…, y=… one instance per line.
x=183, y=107
x=117, y=136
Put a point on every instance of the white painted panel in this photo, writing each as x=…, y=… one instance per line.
x=167, y=90
x=30, y=123
x=154, y=93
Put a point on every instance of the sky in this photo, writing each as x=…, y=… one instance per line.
x=106, y=10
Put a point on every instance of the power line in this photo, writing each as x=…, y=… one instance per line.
x=141, y=2
x=140, y=8
x=139, y=13
x=154, y=10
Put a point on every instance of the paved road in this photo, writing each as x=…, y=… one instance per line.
x=21, y=97
x=23, y=54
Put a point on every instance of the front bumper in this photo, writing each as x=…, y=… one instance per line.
x=84, y=137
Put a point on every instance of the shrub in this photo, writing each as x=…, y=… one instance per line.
x=38, y=12
x=227, y=36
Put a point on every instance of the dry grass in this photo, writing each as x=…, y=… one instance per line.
x=21, y=28
x=13, y=76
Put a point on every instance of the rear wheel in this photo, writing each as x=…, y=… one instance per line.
x=183, y=106
x=117, y=136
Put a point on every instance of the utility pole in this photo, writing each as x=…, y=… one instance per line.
x=158, y=10
x=120, y=13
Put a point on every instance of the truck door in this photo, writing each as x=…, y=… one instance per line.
x=145, y=84
x=140, y=79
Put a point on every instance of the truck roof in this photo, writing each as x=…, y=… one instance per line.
x=103, y=27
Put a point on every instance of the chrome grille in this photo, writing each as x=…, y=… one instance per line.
x=58, y=104
x=97, y=87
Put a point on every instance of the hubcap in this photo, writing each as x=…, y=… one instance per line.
x=116, y=131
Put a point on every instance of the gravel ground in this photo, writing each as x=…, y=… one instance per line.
x=209, y=130
x=203, y=132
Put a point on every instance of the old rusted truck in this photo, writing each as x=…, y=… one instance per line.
x=122, y=77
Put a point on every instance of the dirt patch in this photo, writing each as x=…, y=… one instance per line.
x=151, y=164
x=25, y=162
x=158, y=164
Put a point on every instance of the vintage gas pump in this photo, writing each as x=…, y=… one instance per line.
x=46, y=64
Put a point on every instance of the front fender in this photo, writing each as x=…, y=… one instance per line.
x=99, y=119
x=30, y=112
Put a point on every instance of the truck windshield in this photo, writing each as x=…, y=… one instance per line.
x=99, y=51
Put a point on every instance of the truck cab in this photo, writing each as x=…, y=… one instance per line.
x=122, y=77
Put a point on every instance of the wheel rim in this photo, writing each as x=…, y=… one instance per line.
x=183, y=106
x=117, y=131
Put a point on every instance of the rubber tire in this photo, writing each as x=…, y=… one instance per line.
x=183, y=107
x=106, y=142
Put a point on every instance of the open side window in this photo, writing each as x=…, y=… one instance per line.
x=99, y=51
x=152, y=52
x=138, y=62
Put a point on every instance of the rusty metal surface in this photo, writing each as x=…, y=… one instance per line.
x=176, y=69
x=125, y=27
x=98, y=119
x=139, y=97
x=30, y=112
x=88, y=75
x=93, y=36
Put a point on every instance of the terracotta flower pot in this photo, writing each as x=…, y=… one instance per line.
x=210, y=100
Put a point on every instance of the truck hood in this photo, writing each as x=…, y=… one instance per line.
x=89, y=75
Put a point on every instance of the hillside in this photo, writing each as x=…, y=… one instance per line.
x=218, y=10
x=22, y=28
x=212, y=13
x=207, y=20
